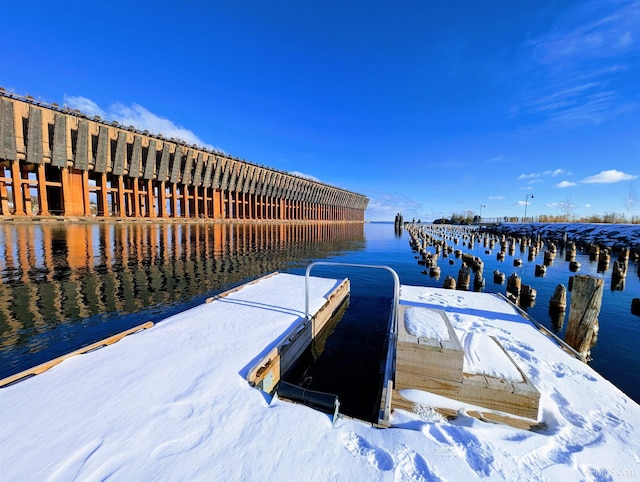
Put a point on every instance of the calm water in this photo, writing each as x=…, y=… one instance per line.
x=615, y=355
x=64, y=286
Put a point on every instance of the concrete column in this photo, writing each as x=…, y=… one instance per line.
x=18, y=195
x=121, y=204
x=102, y=196
x=136, y=197
x=4, y=199
x=217, y=204
x=196, y=199
x=174, y=200
x=86, y=200
x=151, y=199
x=162, y=200
x=205, y=202
x=42, y=191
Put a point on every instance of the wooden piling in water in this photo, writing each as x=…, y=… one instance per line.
x=449, y=283
x=586, y=300
x=558, y=307
x=559, y=298
x=514, y=284
x=464, y=278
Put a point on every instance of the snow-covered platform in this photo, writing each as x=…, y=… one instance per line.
x=173, y=403
x=430, y=356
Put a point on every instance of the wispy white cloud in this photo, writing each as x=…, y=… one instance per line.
x=528, y=176
x=575, y=68
x=608, y=177
x=137, y=116
x=547, y=173
x=496, y=197
x=306, y=176
x=564, y=184
x=84, y=105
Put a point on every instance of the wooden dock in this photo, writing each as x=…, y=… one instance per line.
x=270, y=369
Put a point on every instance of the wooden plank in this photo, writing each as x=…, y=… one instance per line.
x=421, y=360
x=446, y=388
x=425, y=357
x=325, y=313
x=488, y=416
x=94, y=346
x=440, y=371
x=493, y=396
x=267, y=372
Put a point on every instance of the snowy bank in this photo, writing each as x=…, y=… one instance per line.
x=173, y=403
x=610, y=235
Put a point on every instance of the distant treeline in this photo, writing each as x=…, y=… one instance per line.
x=470, y=217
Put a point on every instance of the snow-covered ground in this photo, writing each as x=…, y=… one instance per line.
x=173, y=403
x=612, y=235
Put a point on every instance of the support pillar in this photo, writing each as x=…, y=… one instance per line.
x=151, y=200
x=205, y=202
x=103, y=196
x=217, y=204
x=174, y=200
x=74, y=190
x=121, y=203
x=162, y=200
x=43, y=202
x=4, y=199
x=18, y=194
x=136, y=198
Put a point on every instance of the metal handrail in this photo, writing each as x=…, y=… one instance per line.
x=396, y=287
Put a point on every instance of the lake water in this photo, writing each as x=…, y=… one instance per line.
x=64, y=286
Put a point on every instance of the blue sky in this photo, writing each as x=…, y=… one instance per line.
x=428, y=108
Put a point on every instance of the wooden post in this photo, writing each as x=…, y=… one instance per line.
x=464, y=278
x=514, y=284
x=586, y=300
x=558, y=307
x=559, y=298
x=449, y=283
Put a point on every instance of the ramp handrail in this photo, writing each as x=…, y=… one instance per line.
x=396, y=286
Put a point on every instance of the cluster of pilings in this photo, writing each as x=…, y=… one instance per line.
x=437, y=237
x=582, y=327
x=58, y=161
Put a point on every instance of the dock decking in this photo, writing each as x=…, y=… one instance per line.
x=437, y=366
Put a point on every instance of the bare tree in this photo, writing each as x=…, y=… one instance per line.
x=630, y=200
x=567, y=208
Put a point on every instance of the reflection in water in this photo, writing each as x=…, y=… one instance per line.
x=63, y=286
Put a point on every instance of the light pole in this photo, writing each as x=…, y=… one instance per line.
x=481, y=206
x=527, y=196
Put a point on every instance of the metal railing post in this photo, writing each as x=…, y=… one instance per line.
x=396, y=287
